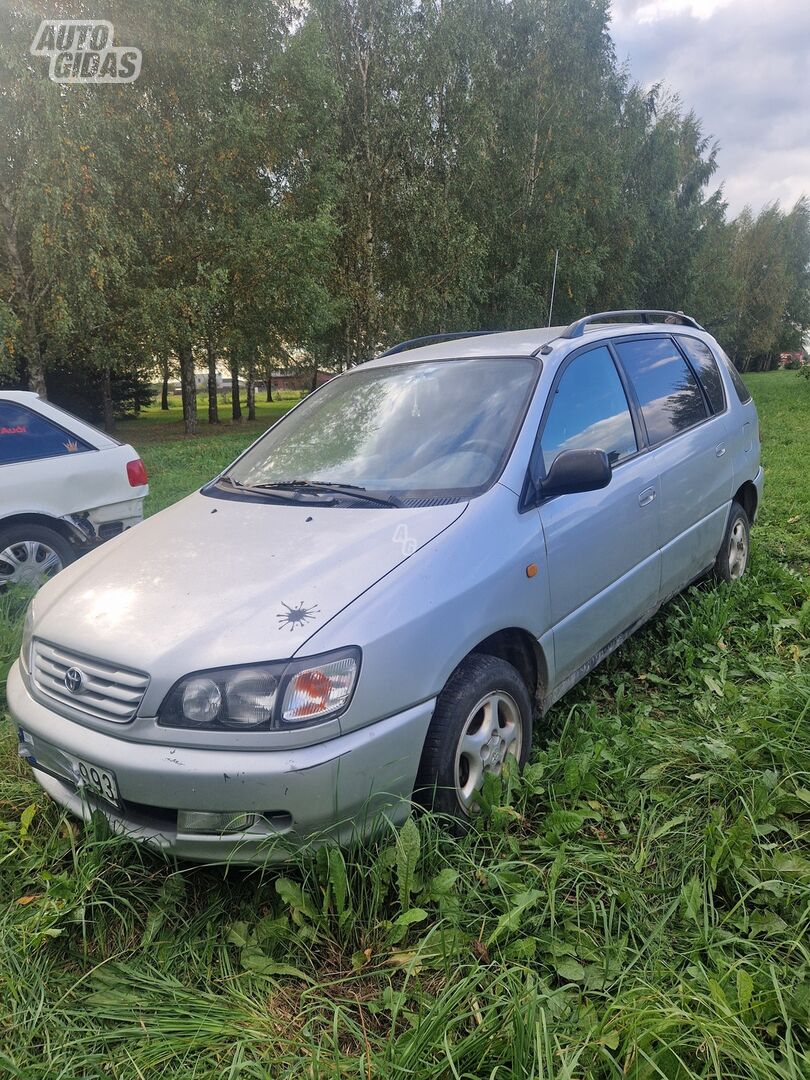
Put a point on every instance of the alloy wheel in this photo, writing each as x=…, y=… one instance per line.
x=737, y=550
x=492, y=731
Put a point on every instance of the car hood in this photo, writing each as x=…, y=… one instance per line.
x=213, y=582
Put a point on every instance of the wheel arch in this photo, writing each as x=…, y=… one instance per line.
x=59, y=525
x=748, y=498
x=522, y=650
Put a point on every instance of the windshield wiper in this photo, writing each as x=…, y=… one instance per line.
x=350, y=491
x=266, y=491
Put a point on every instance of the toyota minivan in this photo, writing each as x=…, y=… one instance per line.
x=375, y=599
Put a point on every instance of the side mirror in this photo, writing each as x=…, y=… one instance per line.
x=577, y=470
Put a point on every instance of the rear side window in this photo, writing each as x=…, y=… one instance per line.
x=743, y=393
x=705, y=365
x=589, y=411
x=667, y=391
x=27, y=436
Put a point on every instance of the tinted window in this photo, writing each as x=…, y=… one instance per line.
x=27, y=436
x=667, y=391
x=705, y=365
x=589, y=411
x=743, y=393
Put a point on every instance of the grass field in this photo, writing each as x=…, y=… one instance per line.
x=177, y=465
x=637, y=905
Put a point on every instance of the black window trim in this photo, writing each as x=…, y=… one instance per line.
x=730, y=367
x=688, y=359
x=530, y=498
x=678, y=434
x=41, y=416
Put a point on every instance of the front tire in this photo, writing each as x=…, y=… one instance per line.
x=732, y=559
x=482, y=716
x=31, y=555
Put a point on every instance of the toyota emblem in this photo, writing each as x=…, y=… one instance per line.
x=74, y=680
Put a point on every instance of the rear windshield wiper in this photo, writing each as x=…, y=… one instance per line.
x=349, y=491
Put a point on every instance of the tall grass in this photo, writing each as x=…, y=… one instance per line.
x=635, y=905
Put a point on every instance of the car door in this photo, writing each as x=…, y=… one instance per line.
x=601, y=546
x=683, y=410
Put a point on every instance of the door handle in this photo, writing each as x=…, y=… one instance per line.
x=646, y=496
x=720, y=449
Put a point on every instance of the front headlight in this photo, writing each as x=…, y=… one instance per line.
x=263, y=697
x=27, y=638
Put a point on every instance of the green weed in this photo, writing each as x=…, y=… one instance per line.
x=636, y=904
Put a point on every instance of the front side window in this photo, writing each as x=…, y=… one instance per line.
x=27, y=436
x=440, y=428
x=707, y=370
x=669, y=396
x=589, y=411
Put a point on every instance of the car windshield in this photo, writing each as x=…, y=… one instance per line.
x=441, y=428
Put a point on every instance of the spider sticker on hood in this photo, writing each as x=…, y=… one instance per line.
x=296, y=616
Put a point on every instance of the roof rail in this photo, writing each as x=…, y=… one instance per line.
x=433, y=339
x=577, y=329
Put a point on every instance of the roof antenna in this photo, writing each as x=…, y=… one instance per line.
x=553, y=284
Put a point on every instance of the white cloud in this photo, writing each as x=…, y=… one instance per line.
x=744, y=67
x=661, y=9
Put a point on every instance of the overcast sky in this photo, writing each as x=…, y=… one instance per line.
x=744, y=67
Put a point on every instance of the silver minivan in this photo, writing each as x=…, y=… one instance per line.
x=375, y=599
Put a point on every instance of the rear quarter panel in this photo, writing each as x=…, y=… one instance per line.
x=71, y=484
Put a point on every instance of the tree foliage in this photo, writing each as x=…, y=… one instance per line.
x=286, y=181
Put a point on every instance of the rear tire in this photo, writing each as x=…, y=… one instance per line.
x=732, y=558
x=483, y=715
x=31, y=554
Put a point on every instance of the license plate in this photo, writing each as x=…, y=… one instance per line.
x=98, y=781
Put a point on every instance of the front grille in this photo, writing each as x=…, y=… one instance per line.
x=105, y=690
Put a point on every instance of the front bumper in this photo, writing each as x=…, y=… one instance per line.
x=336, y=789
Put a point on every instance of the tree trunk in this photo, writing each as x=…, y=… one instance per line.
x=164, y=390
x=251, y=383
x=236, y=405
x=107, y=400
x=33, y=362
x=188, y=388
x=24, y=303
x=269, y=383
x=213, y=405
x=36, y=377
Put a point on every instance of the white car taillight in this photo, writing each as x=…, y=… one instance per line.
x=136, y=473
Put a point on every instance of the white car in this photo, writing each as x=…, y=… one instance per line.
x=64, y=487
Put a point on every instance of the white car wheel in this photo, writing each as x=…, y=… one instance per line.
x=30, y=555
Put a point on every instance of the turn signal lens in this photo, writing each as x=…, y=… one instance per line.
x=317, y=691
